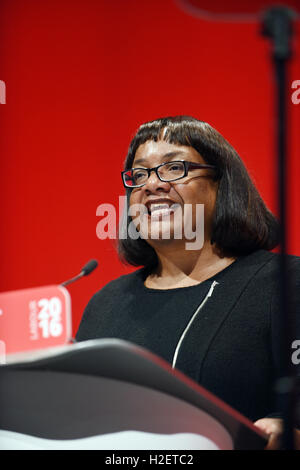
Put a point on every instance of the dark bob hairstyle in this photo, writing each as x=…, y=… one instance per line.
x=242, y=223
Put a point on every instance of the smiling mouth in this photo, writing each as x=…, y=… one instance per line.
x=160, y=211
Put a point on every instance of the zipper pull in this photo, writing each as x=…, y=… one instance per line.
x=212, y=288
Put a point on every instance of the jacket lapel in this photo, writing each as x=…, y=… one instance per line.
x=209, y=320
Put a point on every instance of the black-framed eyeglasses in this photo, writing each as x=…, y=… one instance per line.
x=169, y=171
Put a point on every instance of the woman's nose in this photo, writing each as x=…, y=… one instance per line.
x=153, y=183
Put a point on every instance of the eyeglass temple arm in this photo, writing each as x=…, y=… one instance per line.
x=200, y=165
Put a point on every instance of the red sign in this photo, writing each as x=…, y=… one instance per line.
x=32, y=319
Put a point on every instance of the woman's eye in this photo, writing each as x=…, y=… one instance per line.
x=175, y=167
x=139, y=175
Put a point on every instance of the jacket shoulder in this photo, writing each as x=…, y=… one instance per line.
x=121, y=284
x=106, y=301
x=268, y=260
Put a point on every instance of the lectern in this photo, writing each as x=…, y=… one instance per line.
x=111, y=394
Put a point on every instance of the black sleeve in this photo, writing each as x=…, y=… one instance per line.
x=89, y=321
x=101, y=317
x=98, y=311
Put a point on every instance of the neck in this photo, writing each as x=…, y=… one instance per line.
x=182, y=268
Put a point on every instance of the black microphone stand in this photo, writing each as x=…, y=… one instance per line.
x=277, y=25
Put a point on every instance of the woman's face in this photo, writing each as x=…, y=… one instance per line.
x=172, y=210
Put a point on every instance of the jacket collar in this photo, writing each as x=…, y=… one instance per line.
x=216, y=310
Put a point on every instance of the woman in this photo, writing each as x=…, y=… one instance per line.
x=206, y=298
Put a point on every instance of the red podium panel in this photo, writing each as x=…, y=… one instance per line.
x=33, y=319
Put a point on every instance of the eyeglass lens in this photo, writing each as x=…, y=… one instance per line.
x=167, y=172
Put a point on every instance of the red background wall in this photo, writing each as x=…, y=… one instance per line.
x=80, y=78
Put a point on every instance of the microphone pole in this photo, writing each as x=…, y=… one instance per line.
x=277, y=25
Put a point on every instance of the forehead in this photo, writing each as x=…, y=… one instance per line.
x=152, y=152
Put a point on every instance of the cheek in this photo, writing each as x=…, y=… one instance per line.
x=196, y=193
x=212, y=190
x=201, y=192
x=134, y=198
x=136, y=208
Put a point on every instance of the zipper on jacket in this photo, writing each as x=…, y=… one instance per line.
x=198, y=309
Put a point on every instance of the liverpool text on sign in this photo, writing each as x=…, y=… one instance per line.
x=2, y=92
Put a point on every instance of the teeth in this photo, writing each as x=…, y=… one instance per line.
x=159, y=207
x=158, y=211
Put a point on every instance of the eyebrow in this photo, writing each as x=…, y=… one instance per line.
x=165, y=156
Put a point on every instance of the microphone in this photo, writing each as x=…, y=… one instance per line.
x=87, y=269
